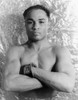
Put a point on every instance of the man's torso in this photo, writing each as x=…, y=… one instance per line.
x=44, y=59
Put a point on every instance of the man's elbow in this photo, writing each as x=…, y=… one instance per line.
x=7, y=85
x=70, y=87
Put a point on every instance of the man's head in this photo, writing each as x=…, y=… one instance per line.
x=37, y=22
x=36, y=7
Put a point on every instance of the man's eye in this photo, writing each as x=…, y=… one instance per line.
x=29, y=22
x=41, y=22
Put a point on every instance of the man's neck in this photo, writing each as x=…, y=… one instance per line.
x=39, y=45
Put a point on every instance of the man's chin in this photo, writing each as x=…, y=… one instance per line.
x=36, y=39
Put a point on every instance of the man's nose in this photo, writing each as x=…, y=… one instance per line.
x=35, y=26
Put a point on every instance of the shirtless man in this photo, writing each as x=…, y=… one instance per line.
x=38, y=68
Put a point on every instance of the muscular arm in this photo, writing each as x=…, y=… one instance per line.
x=21, y=83
x=64, y=77
x=13, y=81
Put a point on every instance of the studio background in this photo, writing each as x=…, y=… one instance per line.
x=63, y=31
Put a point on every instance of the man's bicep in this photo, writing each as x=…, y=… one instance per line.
x=12, y=62
x=64, y=62
x=13, y=53
x=13, y=66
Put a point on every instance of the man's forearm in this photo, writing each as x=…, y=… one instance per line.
x=22, y=83
x=56, y=80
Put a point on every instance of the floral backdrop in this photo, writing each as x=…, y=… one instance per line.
x=63, y=31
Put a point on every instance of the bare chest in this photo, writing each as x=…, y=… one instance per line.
x=44, y=59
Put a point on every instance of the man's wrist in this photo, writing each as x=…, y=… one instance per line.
x=33, y=71
x=28, y=69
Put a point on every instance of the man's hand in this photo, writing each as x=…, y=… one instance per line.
x=26, y=69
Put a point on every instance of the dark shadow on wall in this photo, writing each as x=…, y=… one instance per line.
x=13, y=26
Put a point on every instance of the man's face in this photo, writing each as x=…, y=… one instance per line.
x=37, y=24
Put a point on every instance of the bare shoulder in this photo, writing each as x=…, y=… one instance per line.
x=64, y=60
x=13, y=60
x=14, y=52
x=61, y=51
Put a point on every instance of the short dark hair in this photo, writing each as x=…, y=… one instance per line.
x=36, y=7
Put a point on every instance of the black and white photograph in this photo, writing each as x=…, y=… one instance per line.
x=38, y=49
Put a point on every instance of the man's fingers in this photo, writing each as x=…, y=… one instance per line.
x=33, y=65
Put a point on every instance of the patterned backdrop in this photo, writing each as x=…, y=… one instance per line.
x=63, y=31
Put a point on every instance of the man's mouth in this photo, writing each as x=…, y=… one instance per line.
x=36, y=33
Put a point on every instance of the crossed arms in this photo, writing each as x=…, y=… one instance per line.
x=63, y=79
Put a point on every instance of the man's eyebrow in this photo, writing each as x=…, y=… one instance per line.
x=39, y=19
x=29, y=19
x=42, y=19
